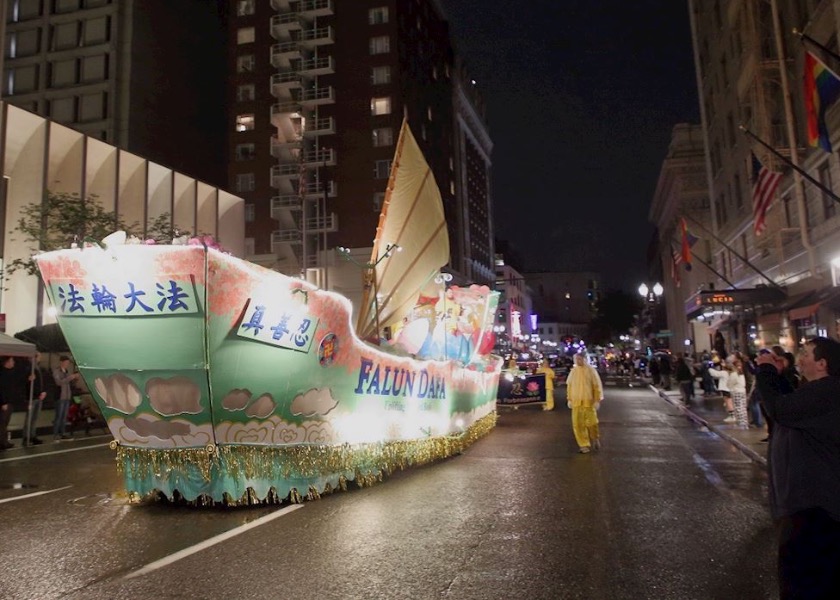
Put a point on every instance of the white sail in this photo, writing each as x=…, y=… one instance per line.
x=412, y=217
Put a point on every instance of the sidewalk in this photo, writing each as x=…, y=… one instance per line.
x=44, y=427
x=709, y=412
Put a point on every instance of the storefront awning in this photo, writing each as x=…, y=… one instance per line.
x=807, y=305
x=709, y=303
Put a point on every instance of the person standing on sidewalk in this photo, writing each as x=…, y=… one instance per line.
x=722, y=378
x=584, y=394
x=665, y=370
x=39, y=392
x=737, y=385
x=63, y=379
x=685, y=377
x=804, y=467
x=9, y=392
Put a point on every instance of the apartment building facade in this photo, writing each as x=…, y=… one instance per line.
x=146, y=76
x=317, y=97
x=776, y=287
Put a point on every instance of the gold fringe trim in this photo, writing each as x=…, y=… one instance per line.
x=369, y=463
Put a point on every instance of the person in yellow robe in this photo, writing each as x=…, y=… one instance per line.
x=549, y=385
x=584, y=394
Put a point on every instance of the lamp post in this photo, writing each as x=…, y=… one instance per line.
x=369, y=269
x=651, y=295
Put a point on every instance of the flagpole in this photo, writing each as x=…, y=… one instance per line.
x=799, y=186
x=711, y=268
x=804, y=37
x=732, y=250
x=788, y=162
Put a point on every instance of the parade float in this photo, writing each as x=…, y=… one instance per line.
x=223, y=382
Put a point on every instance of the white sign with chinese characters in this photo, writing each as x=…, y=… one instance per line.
x=283, y=326
x=126, y=297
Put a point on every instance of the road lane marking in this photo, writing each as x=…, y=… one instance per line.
x=168, y=560
x=33, y=494
x=40, y=454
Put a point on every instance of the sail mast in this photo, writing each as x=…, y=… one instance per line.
x=369, y=276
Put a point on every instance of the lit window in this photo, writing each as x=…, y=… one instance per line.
x=383, y=137
x=245, y=93
x=244, y=122
x=244, y=8
x=245, y=35
x=380, y=75
x=249, y=213
x=380, y=44
x=381, y=169
x=380, y=106
x=245, y=182
x=245, y=64
x=378, y=15
x=568, y=295
x=429, y=113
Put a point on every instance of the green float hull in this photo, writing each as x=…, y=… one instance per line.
x=222, y=381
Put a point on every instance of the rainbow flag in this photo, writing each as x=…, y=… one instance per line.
x=822, y=89
x=686, y=242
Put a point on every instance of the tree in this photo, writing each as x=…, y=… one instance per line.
x=65, y=218
x=616, y=312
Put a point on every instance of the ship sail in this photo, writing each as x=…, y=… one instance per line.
x=412, y=219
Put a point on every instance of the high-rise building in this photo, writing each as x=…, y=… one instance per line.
x=318, y=92
x=145, y=76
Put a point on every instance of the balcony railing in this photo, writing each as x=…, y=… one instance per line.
x=287, y=50
x=322, y=95
x=323, y=126
x=315, y=8
x=285, y=236
x=285, y=170
x=284, y=202
x=327, y=224
x=314, y=37
x=323, y=65
x=325, y=156
x=285, y=108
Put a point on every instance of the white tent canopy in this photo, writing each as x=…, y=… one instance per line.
x=10, y=346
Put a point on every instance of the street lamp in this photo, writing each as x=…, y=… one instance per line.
x=651, y=294
x=369, y=272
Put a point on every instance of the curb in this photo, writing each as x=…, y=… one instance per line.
x=746, y=450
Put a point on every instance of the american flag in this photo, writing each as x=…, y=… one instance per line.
x=764, y=183
x=676, y=259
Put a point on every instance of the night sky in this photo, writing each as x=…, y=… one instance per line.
x=582, y=96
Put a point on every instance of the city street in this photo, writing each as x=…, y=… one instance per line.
x=666, y=509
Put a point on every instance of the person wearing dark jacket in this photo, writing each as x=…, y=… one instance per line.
x=685, y=377
x=37, y=380
x=9, y=394
x=804, y=467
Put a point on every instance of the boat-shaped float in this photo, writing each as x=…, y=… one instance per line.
x=225, y=382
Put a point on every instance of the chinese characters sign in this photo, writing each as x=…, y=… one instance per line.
x=278, y=325
x=128, y=297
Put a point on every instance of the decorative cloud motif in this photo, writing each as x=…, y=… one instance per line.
x=174, y=396
x=145, y=431
x=236, y=399
x=262, y=407
x=163, y=430
x=314, y=402
x=118, y=392
x=275, y=431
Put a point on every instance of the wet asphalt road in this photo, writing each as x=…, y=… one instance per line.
x=664, y=510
